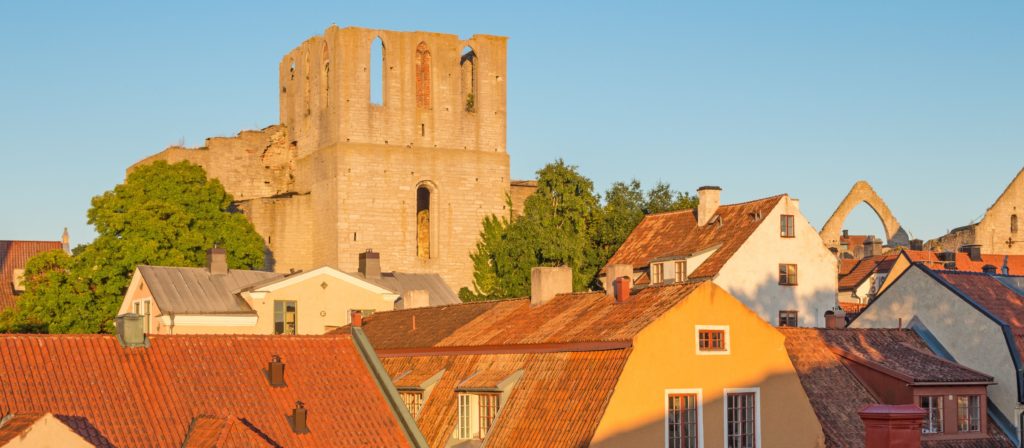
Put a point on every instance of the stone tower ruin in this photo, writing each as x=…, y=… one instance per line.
x=411, y=175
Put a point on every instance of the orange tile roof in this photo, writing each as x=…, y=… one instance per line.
x=846, y=265
x=836, y=394
x=14, y=255
x=567, y=318
x=988, y=292
x=963, y=262
x=146, y=397
x=852, y=309
x=863, y=269
x=222, y=432
x=540, y=411
x=676, y=233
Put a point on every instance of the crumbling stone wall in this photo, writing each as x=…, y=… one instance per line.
x=340, y=174
x=996, y=232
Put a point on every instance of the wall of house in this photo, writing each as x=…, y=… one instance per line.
x=48, y=432
x=969, y=336
x=752, y=273
x=664, y=357
x=323, y=301
x=993, y=232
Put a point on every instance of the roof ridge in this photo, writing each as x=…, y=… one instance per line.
x=720, y=206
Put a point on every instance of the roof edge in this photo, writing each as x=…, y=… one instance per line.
x=387, y=388
x=588, y=346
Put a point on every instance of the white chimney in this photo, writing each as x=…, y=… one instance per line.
x=548, y=282
x=709, y=198
x=415, y=298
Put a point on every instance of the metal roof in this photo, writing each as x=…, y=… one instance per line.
x=400, y=282
x=196, y=291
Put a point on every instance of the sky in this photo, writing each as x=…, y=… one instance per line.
x=923, y=99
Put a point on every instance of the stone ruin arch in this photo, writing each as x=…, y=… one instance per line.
x=862, y=192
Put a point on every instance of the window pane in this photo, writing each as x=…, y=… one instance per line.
x=741, y=424
x=933, y=419
x=682, y=421
x=968, y=413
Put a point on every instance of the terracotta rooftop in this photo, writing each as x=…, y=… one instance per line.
x=14, y=255
x=676, y=234
x=836, y=394
x=846, y=265
x=864, y=268
x=963, y=262
x=995, y=296
x=222, y=432
x=147, y=397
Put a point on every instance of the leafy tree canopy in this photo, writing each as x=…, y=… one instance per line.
x=563, y=223
x=163, y=214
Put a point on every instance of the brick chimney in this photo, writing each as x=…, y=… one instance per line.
x=709, y=198
x=298, y=418
x=614, y=271
x=622, y=288
x=217, y=261
x=357, y=318
x=369, y=264
x=275, y=371
x=547, y=282
x=892, y=426
x=835, y=318
x=415, y=298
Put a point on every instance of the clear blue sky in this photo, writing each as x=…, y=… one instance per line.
x=924, y=99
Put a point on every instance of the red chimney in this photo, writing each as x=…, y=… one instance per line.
x=892, y=426
x=622, y=286
x=835, y=319
x=357, y=318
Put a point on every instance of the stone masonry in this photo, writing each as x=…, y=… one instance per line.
x=341, y=174
x=1000, y=230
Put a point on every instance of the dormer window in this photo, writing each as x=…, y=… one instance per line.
x=680, y=270
x=413, y=401
x=932, y=404
x=657, y=273
x=476, y=414
x=968, y=413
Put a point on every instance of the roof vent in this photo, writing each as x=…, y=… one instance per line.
x=275, y=372
x=708, y=199
x=916, y=244
x=369, y=264
x=130, y=331
x=947, y=256
x=298, y=418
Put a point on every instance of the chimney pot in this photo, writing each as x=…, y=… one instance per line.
x=217, y=261
x=130, y=330
x=622, y=289
x=892, y=426
x=299, y=418
x=276, y=371
x=547, y=282
x=369, y=264
x=357, y=318
x=708, y=200
x=614, y=271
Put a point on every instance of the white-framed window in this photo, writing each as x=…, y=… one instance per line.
x=141, y=307
x=476, y=414
x=657, y=273
x=968, y=413
x=413, y=401
x=463, y=426
x=742, y=417
x=684, y=418
x=712, y=339
x=680, y=270
x=932, y=404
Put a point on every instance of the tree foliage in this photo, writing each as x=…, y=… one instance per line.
x=563, y=223
x=163, y=214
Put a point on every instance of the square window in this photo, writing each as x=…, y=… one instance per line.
x=682, y=421
x=787, y=226
x=968, y=413
x=788, y=318
x=787, y=274
x=712, y=340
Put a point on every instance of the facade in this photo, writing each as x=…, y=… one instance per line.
x=864, y=280
x=845, y=370
x=13, y=257
x=412, y=172
x=38, y=431
x=218, y=300
x=973, y=318
x=1000, y=229
x=127, y=390
x=684, y=364
x=764, y=252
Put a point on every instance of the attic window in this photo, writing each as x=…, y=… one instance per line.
x=787, y=228
x=712, y=340
x=933, y=421
x=476, y=414
x=413, y=401
x=657, y=273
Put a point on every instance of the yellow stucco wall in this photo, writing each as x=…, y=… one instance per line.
x=48, y=432
x=319, y=307
x=665, y=357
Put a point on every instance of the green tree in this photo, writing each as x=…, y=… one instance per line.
x=163, y=214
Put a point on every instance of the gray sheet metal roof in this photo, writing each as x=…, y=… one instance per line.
x=400, y=282
x=196, y=291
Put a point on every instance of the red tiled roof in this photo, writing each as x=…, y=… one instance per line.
x=863, y=269
x=146, y=397
x=846, y=265
x=222, y=432
x=1014, y=263
x=994, y=296
x=851, y=308
x=14, y=255
x=836, y=394
x=567, y=318
x=540, y=411
x=676, y=233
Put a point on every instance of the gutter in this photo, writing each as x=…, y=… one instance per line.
x=387, y=388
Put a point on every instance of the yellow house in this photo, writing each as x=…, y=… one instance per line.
x=218, y=300
x=681, y=365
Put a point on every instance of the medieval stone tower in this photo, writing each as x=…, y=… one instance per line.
x=410, y=174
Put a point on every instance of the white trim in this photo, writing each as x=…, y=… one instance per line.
x=696, y=340
x=324, y=270
x=757, y=413
x=206, y=320
x=700, y=413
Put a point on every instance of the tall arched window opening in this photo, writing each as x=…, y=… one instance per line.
x=422, y=77
x=468, y=63
x=423, y=222
x=377, y=71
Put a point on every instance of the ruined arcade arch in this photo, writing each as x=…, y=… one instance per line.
x=468, y=66
x=378, y=63
x=862, y=192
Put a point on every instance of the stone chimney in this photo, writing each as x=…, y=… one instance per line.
x=835, y=318
x=415, y=298
x=130, y=330
x=916, y=244
x=972, y=250
x=65, y=241
x=547, y=282
x=275, y=371
x=709, y=198
x=614, y=271
x=892, y=426
x=622, y=285
x=369, y=264
x=217, y=261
